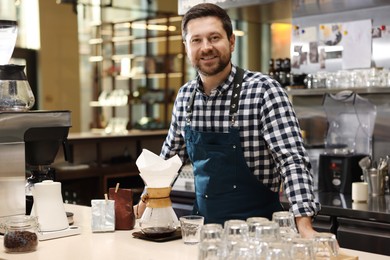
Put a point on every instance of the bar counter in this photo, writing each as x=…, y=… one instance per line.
x=119, y=245
x=358, y=226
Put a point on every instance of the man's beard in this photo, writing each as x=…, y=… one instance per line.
x=211, y=71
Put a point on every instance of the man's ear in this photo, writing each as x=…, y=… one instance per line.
x=185, y=47
x=232, y=41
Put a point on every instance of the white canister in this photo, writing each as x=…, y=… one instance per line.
x=359, y=191
x=49, y=207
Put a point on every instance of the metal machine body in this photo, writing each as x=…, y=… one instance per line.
x=46, y=131
x=338, y=172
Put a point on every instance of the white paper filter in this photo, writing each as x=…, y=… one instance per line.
x=157, y=172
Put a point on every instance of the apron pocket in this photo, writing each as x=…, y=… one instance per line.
x=215, y=168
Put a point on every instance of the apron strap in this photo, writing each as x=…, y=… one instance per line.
x=237, y=84
x=190, y=107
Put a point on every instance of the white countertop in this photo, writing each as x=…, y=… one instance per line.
x=119, y=245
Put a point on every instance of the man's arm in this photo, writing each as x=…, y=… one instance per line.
x=305, y=227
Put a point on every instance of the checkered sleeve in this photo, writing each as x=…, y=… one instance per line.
x=174, y=142
x=283, y=137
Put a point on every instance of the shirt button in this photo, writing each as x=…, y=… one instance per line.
x=234, y=186
x=234, y=147
x=206, y=196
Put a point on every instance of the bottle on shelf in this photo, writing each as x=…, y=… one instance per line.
x=271, y=68
x=278, y=70
x=286, y=68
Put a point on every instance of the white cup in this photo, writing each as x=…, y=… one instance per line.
x=360, y=206
x=359, y=191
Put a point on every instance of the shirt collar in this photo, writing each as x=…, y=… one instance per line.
x=225, y=86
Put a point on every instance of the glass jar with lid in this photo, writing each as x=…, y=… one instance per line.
x=21, y=234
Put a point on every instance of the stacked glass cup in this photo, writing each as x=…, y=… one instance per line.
x=260, y=238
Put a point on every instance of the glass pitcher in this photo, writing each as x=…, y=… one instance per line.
x=15, y=91
x=159, y=219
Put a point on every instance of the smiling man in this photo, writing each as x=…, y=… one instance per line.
x=239, y=131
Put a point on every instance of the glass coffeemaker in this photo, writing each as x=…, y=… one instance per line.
x=159, y=219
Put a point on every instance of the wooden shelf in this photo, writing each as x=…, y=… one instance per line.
x=129, y=54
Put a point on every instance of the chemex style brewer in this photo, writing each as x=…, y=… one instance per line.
x=159, y=219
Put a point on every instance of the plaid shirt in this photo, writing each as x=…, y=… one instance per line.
x=269, y=132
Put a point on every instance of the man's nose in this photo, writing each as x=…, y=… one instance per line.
x=206, y=44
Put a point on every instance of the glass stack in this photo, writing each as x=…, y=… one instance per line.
x=260, y=238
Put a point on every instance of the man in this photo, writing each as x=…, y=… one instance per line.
x=238, y=129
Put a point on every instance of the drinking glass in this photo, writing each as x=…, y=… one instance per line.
x=211, y=232
x=301, y=249
x=253, y=222
x=286, y=221
x=190, y=228
x=288, y=237
x=259, y=247
x=235, y=231
x=267, y=231
x=242, y=251
x=277, y=251
x=325, y=246
x=211, y=250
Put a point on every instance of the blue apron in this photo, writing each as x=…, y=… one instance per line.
x=224, y=185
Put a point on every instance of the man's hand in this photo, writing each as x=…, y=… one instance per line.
x=305, y=228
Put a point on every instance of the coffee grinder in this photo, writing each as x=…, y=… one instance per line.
x=351, y=121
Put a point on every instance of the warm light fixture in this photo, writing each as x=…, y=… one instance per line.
x=239, y=33
x=95, y=58
x=152, y=27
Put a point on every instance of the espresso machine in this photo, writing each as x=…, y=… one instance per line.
x=29, y=142
x=351, y=121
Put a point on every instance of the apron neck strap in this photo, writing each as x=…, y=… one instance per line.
x=237, y=83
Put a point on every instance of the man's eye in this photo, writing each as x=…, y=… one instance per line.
x=195, y=40
x=214, y=38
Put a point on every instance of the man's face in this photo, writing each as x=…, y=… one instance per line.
x=207, y=46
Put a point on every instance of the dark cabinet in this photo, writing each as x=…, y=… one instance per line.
x=324, y=223
x=364, y=235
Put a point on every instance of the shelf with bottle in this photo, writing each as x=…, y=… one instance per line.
x=280, y=70
x=361, y=81
x=140, y=95
x=156, y=66
x=121, y=34
x=137, y=67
